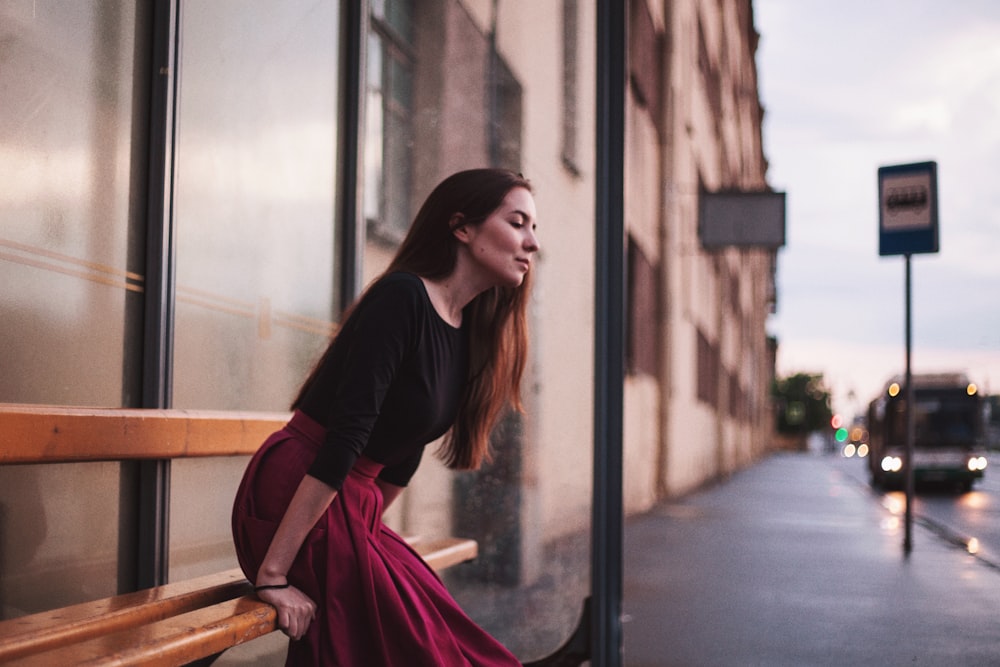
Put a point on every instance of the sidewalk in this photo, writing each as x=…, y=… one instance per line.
x=793, y=562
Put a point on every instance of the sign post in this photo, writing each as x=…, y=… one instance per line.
x=908, y=225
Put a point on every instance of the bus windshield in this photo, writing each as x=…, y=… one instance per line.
x=941, y=421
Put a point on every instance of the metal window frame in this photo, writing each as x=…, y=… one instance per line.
x=153, y=477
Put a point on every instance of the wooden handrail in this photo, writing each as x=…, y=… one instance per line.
x=49, y=434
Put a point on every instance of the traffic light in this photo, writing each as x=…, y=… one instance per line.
x=839, y=432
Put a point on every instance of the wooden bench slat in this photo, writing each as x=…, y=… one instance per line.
x=444, y=552
x=45, y=630
x=172, y=641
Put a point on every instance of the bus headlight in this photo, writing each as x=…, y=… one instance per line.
x=977, y=463
x=892, y=464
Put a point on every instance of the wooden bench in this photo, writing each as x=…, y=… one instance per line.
x=177, y=623
x=174, y=624
x=45, y=434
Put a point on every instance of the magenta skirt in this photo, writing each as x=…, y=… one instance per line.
x=378, y=602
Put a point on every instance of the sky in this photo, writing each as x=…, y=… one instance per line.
x=848, y=87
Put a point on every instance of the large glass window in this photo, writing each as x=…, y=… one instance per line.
x=254, y=213
x=70, y=279
x=255, y=196
x=69, y=269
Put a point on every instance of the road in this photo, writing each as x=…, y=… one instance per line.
x=795, y=562
x=969, y=519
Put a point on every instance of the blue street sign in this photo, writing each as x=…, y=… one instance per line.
x=908, y=209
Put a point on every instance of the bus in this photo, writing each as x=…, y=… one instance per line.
x=949, y=434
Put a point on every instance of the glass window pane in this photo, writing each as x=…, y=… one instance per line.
x=400, y=83
x=59, y=525
x=70, y=272
x=255, y=200
x=389, y=123
x=257, y=237
x=71, y=277
x=398, y=14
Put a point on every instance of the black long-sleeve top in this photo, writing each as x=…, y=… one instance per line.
x=391, y=383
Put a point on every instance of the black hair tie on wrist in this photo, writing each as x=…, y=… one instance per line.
x=268, y=587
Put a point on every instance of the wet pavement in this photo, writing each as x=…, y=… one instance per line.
x=796, y=562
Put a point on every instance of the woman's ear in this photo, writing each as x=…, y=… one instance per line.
x=458, y=227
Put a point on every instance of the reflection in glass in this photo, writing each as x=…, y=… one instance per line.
x=67, y=275
x=71, y=281
x=59, y=528
x=256, y=233
x=255, y=199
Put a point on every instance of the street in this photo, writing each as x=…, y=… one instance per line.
x=797, y=561
x=972, y=519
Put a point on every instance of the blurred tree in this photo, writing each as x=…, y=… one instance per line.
x=803, y=404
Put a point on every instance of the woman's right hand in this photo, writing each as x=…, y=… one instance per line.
x=296, y=610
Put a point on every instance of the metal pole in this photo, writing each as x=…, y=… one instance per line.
x=910, y=417
x=354, y=15
x=153, y=540
x=609, y=336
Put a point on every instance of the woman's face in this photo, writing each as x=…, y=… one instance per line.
x=503, y=246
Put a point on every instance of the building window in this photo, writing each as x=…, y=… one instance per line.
x=708, y=370
x=642, y=351
x=505, y=114
x=388, y=149
x=737, y=397
x=569, y=87
x=645, y=54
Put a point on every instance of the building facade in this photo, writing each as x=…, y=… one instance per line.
x=699, y=359
x=193, y=191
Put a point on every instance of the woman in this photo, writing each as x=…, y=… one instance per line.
x=435, y=346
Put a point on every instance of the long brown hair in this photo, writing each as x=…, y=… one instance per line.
x=497, y=318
